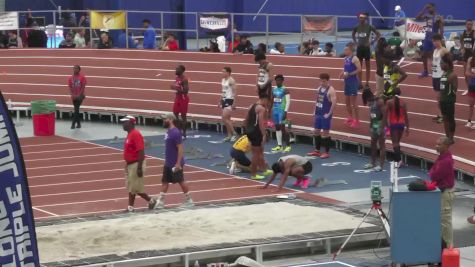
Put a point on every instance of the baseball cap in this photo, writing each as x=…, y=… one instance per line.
x=129, y=118
x=168, y=116
x=397, y=8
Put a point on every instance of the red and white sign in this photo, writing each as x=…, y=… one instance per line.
x=412, y=30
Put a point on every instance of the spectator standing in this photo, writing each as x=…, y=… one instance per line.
x=174, y=162
x=442, y=174
x=279, y=49
x=13, y=40
x=362, y=36
x=434, y=25
x=468, y=41
x=37, y=37
x=170, y=44
x=105, y=42
x=84, y=23
x=68, y=42
x=68, y=22
x=80, y=39
x=149, y=35
x=134, y=157
x=399, y=16
x=245, y=46
x=124, y=39
x=77, y=86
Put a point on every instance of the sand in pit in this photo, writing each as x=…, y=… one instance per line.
x=182, y=229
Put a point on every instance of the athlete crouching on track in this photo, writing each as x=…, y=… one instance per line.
x=134, y=157
x=181, y=86
x=228, y=104
x=448, y=95
x=291, y=165
x=377, y=125
x=238, y=155
x=255, y=124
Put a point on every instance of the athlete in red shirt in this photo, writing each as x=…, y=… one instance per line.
x=134, y=156
x=77, y=85
x=181, y=99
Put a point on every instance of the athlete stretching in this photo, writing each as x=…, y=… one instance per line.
x=326, y=103
x=228, y=104
x=279, y=113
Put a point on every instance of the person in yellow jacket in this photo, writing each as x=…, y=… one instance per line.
x=238, y=155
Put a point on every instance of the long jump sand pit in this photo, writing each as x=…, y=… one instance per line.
x=186, y=228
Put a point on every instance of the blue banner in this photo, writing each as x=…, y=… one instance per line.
x=17, y=227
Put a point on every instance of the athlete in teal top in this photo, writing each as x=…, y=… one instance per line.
x=281, y=101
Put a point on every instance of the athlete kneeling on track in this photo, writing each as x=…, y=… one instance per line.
x=238, y=155
x=291, y=165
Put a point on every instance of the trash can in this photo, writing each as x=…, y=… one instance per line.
x=43, y=112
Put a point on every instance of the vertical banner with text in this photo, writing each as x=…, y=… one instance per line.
x=18, y=245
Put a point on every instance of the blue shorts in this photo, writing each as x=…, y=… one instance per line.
x=277, y=117
x=427, y=45
x=321, y=123
x=436, y=84
x=351, y=88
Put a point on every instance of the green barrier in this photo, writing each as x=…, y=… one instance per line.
x=43, y=106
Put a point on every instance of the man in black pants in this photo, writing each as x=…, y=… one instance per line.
x=77, y=85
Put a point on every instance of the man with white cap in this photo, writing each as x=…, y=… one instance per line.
x=134, y=156
x=174, y=161
x=400, y=16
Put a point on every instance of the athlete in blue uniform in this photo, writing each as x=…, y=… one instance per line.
x=350, y=71
x=279, y=113
x=326, y=102
x=434, y=24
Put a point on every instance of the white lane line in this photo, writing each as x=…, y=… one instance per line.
x=72, y=165
x=408, y=64
x=85, y=172
x=44, y=211
x=74, y=157
x=52, y=144
x=61, y=150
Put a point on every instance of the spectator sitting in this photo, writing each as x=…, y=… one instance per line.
x=105, y=42
x=3, y=40
x=213, y=47
x=13, y=40
x=261, y=48
x=395, y=45
x=456, y=49
x=313, y=49
x=245, y=46
x=170, y=44
x=302, y=48
x=123, y=38
x=279, y=49
x=80, y=39
x=411, y=50
x=68, y=42
x=237, y=41
x=37, y=37
x=329, y=50
x=68, y=22
x=149, y=35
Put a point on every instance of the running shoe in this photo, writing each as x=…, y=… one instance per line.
x=437, y=119
x=152, y=203
x=355, y=124
x=232, y=168
x=267, y=172
x=277, y=149
x=234, y=138
x=315, y=153
x=423, y=74
x=287, y=149
x=368, y=166
x=188, y=203
x=377, y=169
x=305, y=183
x=465, y=92
x=349, y=121
x=226, y=139
x=298, y=182
x=468, y=124
x=160, y=204
x=325, y=155
x=257, y=177
x=130, y=209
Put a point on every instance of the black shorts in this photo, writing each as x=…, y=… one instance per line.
x=363, y=52
x=436, y=84
x=255, y=138
x=226, y=102
x=307, y=167
x=468, y=54
x=447, y=109
x=170, y=177
x=240, y=157
x=265, y=92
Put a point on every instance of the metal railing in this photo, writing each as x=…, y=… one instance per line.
x=261, y=27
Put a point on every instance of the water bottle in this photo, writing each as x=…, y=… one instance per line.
x=10, y=104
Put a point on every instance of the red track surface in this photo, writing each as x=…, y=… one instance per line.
x=128, y=80
x=73, y=178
